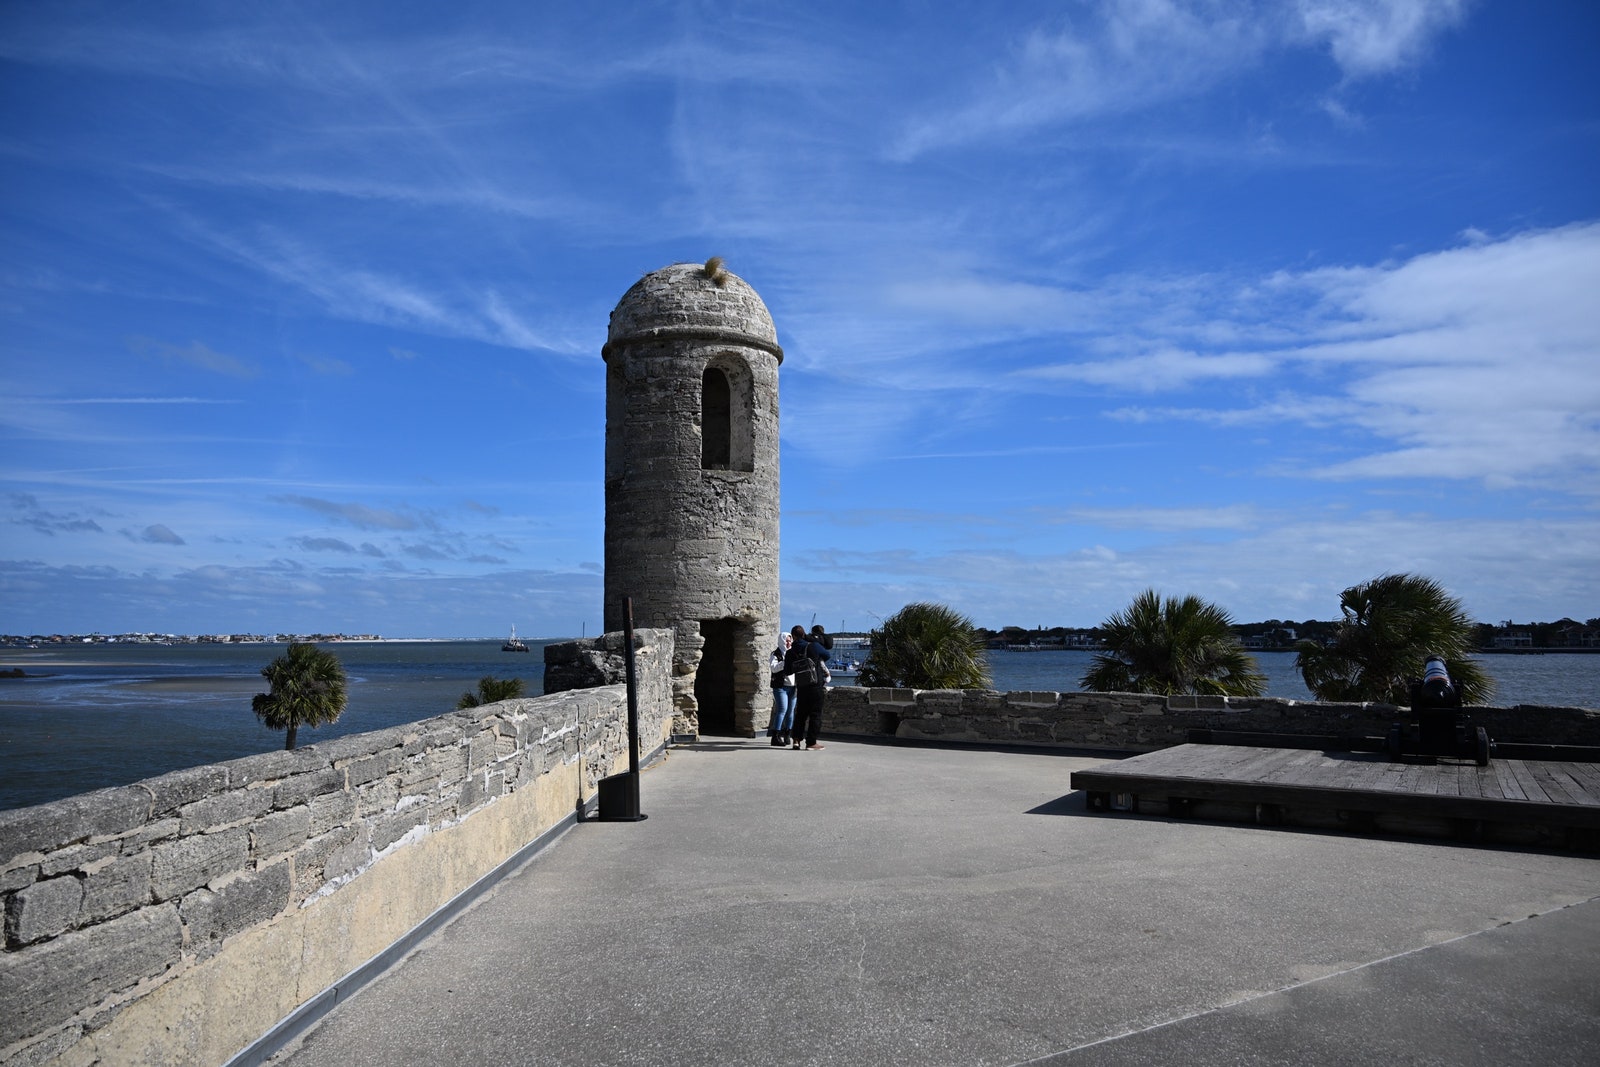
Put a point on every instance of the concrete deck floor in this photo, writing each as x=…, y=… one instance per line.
x=872, y=904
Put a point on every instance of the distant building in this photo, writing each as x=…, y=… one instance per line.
x=1504, y=638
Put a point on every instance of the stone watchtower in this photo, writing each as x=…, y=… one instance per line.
x=692, y=485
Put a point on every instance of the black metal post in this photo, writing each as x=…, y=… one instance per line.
x=633, y=688
x=619, y=793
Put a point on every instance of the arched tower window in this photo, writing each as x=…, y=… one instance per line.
x=716, y=421
x=727, y=414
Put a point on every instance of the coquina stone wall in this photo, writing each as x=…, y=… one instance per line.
x=1131, y=722
x=179, y=919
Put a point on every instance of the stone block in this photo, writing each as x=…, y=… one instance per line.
x=442, y=732
x=44, y=909
x=148, y=834
x=114, y=886
x=414, y=771
x=472, y=793
x=332, y=810
x=18, y=877
x=449, y=765
x=481, y=748
x=1031, y=700
x=169, y=792
x=75, y=857
x=45, y=985
x=224, y=809
x=233, y=903
x=301, y=788
x=351, y=857
x=47, y=1050
x=376, y=798
x=190, y=862
x=311, y=861
x=46, y=827
x=270, y=766
x=282, y=831
x=342, y=750
x=388, y=829
x=371, y=768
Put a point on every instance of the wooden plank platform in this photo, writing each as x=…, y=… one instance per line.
x=1516, y=801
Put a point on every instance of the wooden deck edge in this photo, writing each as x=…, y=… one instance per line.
x=1366, y=743
x=1323, y=798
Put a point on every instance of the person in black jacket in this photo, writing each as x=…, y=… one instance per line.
x=805, y=660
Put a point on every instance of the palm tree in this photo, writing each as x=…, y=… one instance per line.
x=1390, y=626
x=306, y=687
x=1171, y=647
x=491, y=690
x=926, y=646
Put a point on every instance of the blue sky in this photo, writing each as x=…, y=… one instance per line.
x=301, y=305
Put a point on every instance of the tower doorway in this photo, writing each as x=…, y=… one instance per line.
x=713, y=679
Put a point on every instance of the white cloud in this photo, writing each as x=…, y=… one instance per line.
x=360, y=294
x=1372, y=37
x=196, y=354
x=1228, y=517
x=1479, y=362
x=159, y=534
x=1131, y=55
x=1159, y=371
x=358, y=515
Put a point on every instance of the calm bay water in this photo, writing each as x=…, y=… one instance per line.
x=91, y=716
x=102, y=715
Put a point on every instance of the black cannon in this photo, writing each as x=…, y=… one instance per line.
x=1442, y=728
x=1438, y=733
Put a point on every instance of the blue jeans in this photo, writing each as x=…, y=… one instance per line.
x=782, y=710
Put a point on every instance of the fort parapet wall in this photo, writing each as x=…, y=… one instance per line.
x=182, y=919
x=179, y=919
x=1132, y=722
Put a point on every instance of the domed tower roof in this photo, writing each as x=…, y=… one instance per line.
x=692, y=301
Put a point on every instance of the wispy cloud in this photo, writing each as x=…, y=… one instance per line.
x=325, y=544
x=415, y=194
x=156, y=534
x=196, y=354
x=1368, y=38
x=1477, y=362
x=1229, y=517
x=363, y=294
x=1159, y=371
x=336, y=368
x=357, y=515
x=1126, y=56
x=28, y=513
x=137, y=400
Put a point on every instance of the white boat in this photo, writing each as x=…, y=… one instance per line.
x=845, y=662
x=513, y=644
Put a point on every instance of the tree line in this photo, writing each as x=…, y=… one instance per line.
x=1176, y=645
x=1281, y=635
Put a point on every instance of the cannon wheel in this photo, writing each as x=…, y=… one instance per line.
x=1483, y=747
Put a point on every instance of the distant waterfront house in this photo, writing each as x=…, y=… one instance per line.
x=1578, y=636
x=1513, y=639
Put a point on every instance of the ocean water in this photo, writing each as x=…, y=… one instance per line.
x=91, y=716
